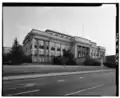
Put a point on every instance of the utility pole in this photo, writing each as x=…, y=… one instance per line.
x=82, y=29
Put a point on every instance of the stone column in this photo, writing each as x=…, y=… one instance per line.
x=44, y=48
x=45, y=42
x=88, y=52
x=81, y=51
x=49, y=48
x=84, y=51
x=37, y=50
x=33, y=45
x=49, y=51
x=55, y=49
x=102, y=62
x=61, y=49
x=75, y=50
x=78, y=51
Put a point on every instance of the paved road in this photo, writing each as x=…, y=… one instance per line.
x=89, y=84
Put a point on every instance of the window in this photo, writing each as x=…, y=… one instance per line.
x=41, y=44
x=47, y=53
x=58, y=49
x=53, y=48
x=35, y=52
x=91, y=54
x=35, y=46
x=57, y=35
x=64, y=36
x=41, y=47
x=79, y=54
x=52, y=53
x=47, y=47
x=53, y=34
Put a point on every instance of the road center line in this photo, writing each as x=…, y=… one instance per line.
x=24, y=92
x=81, y=77
x=61, y=80
x=25, y=85
x=30, y=84
x=17, y=87
x=84, y=90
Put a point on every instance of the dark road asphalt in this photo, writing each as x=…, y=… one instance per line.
x=89, y=84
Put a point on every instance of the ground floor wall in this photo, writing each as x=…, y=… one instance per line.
x=42, y=59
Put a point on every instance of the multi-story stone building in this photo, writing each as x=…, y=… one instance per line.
x=43, y=45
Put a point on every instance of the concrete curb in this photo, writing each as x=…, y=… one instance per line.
x=50, y=74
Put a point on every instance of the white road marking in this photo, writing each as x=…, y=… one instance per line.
x=25, y=85
x=84, y=90
x=81, y=77
x=30, y=84
x=24, y=92
x=16, y=87
x=61, y=80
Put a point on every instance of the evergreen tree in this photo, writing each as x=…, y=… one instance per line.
x=16, y=53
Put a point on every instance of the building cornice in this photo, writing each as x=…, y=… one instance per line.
x=42, y=33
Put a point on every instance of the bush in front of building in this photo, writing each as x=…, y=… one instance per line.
x=70, y=62
x=58, y=61
x=110, y=65
x=91, y=62
x=27, y=58
x=66, y=59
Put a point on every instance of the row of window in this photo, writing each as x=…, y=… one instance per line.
x=82, y=54
x=42, y=43
x=42, y=52
x=52, y=48
x=95, y=54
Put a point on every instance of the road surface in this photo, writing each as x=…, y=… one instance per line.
x=89, y=84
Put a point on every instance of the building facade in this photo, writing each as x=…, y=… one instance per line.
x=6, y=50
x=42, y=46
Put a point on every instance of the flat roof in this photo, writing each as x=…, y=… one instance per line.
x=48, y=30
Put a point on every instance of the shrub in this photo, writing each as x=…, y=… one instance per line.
x=70, y=62
x=57, y=60
x=66, y=59
x=27, y=59
x=92, y=63
x=110, y=65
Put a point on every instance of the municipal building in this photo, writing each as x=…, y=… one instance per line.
x=42, y=46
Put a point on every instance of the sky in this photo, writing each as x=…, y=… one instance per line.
x=94, y=23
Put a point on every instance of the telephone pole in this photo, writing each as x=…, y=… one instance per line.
x=83, y=30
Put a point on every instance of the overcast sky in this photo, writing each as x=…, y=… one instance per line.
x=94, y=23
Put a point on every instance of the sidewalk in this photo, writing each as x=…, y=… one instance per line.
x=51, y=74
x=45, y=69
